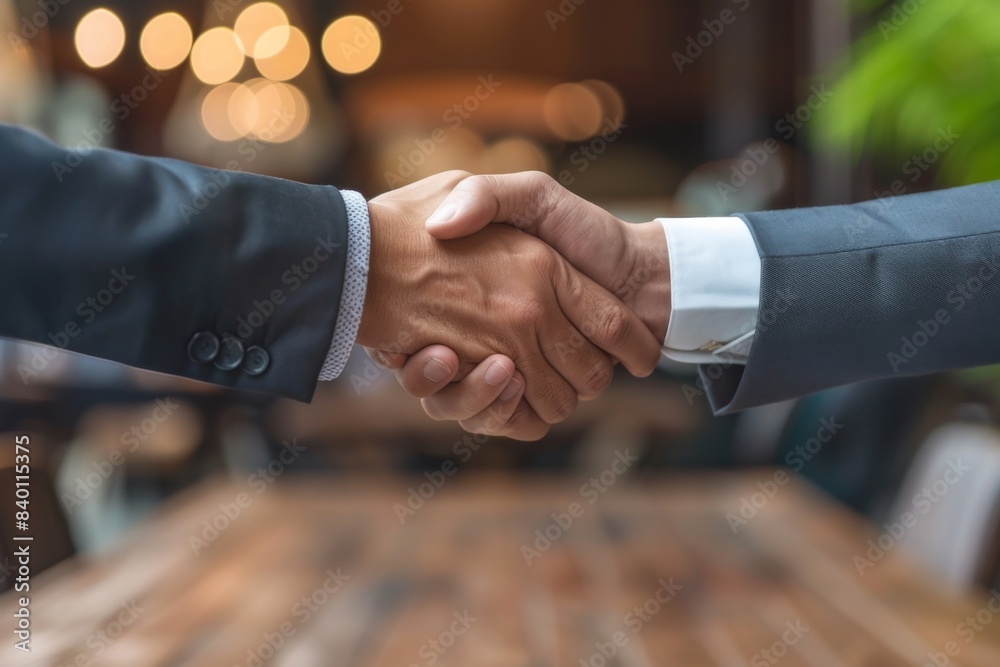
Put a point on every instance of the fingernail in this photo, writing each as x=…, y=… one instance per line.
x=444, y=213
x=497, y=374
x=435, y=371
x=511, y=391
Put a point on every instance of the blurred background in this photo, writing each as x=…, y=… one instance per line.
x=650, y=108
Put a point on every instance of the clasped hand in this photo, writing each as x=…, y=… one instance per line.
x=505, y=327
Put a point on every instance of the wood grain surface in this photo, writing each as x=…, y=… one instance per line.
x=323, y=572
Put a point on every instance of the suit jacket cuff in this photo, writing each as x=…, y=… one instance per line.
x=352, y=300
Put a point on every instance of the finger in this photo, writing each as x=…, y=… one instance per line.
x=587, y=368
x=389, y=360
x=546, y=391
x=509, y=415
x=522, y=424
x=428, y=371
x=480, y=388
x=525, y=424
x=606, y=321
x=493, y=418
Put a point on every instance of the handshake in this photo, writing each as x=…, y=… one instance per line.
x=505, y=327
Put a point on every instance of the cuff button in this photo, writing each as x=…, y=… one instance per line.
x=230, y=354
x=256, y=360
x=203, y=348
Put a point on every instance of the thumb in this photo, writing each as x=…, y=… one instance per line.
x=469, y=207
x=526, y=200
x=532, y=202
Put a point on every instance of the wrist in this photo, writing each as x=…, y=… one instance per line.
x=649, y=281
x=371, y=330
x=403, y=268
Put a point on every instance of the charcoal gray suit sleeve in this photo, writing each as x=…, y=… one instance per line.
x=130, y=258
x=893, y=287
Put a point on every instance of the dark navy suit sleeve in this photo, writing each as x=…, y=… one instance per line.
x=129, y=258
x=893, y=287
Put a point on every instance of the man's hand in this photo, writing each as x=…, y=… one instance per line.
x=629, y=260
x=499, y=292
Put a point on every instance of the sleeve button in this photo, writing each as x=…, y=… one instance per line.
x=256, y=360
x=230, y=354
x=203, y=348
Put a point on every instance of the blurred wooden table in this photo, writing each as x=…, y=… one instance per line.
x=323, y=573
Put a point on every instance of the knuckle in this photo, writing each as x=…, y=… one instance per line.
x=562, y=407
x=546, y=192
x=529, y=312
x=471, y=404
x=455, y=176
x=520, y=423
x=613, y=326
x=541, y=257
x=574, y=287
x=540, y=181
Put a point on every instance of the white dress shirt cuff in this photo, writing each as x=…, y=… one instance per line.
x=352, y=299
x=714, y=290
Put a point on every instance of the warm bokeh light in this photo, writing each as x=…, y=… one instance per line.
x=512, y=155
x=404, y=159
x=257, y=20
x=288, y=62
x=242, y=108
x=270, y=111
x=297, y=117
x=217, y=56
x=280, y=111
x=573, y=112
x=166, y=41
x=612, y=103
x=215, y=112
x=351, y=44
x=100, y=38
